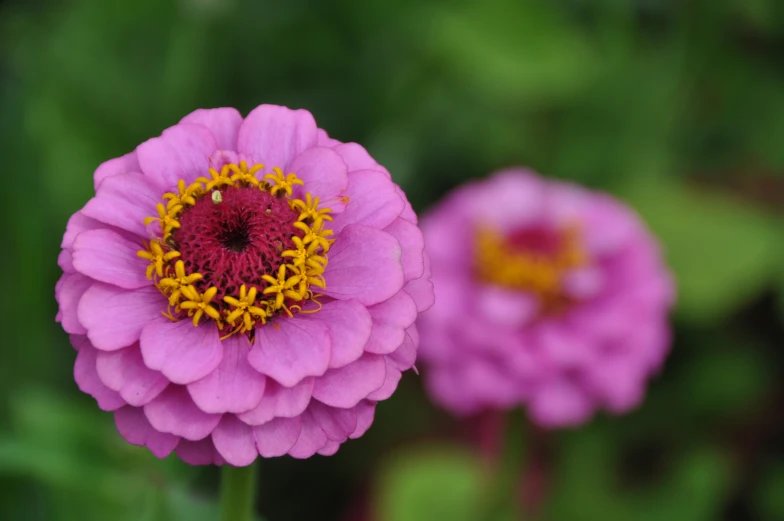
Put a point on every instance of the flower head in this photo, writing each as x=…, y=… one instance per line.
x=548, y=296
x=243, y=287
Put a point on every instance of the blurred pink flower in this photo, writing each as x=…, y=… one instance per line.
x=243, y=287
x=547, y=295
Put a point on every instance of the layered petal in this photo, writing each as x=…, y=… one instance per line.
x=274, y=136
x=349, y=325
x=106, y=256
x=348, y=385
x=234, y=441
x=413, y=245
x=174, y=412
x=324, y=174
x=278, y=436
x=68, y=292
x=124, y=201
x=119, y=165
x=202, y=452
x=134, y=427
x=224, y=124
x=391, y=318
x=280, y=402
x=124, y=371
x=87, y=378
x=181, y=152
x=183, y=353
x=373, y=201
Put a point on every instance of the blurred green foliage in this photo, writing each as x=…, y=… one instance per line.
x=675, y=106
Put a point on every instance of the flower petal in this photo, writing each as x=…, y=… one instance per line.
x=349, y=327
x=323, y=172
x=182, y=352
x=182, y=152
x=347, y=386
x=234, y=441
x=68, y=292
x=119, y=165
x=373, y=201
x=404, y=356
x=124, y=201
x=234, y=386
x=391, y=318
x=329, y=449
x=106, y=256
x=291, y=349
x=311, y=439
x=114, y=317
x=337, y=423
x=280, y=402
x=224, y=124
x=413, y=244
x=275, y=135
x=365, y=411
x=560, y=403
x=357, y=158
x=87, y=378
x=421, y=289
x=77, y=224
x=277, y=437
x=124, y=371
x=202, y=452
x=364, y=263
x=323, y=139
x=134, y=427
x=392, y=378
x=173, y=411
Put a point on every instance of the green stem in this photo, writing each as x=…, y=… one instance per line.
x=237, y=492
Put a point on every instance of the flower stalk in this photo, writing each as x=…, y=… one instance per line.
x=237, y=493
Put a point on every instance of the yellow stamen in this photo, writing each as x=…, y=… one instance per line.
x=198, y=304
x=154, y=253
x=282, y=182
x=245, y=309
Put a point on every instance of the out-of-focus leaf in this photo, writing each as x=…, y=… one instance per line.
x=769, y=496
x=723, y=252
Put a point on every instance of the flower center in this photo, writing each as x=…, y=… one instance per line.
x=534, y=260
x=238, y=250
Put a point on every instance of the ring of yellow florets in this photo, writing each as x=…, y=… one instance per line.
x=302, y=268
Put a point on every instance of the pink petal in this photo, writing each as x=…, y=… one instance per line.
x=277, y=437
x=291, y=349
x=275, y=135
x=119, y=165
x=506, y=308
x=182, y=352
x=134, y=427
x=234, y=441
x=173, y=411
x=330, y=448
x=65, y=261
x=405, y=355
x=182, y=152
x=336, y=423
x=364, y=263
x=347, y=386
x=391, y=318
x=201, y=452
x=393, y=376
x=357, y=158
x=583, y=283
x=421, y=289
x=323, y=172
x=280, y=402
x=68, y=292
x=560, y=403
x=87, y=379
x=365, y=412
x=115, y=317
x=124, y=371
x=408, y=212
x=77, y=224
x=224, y=124
x=105, y=256
x=311, y=438
x=323, y=139
x=349, y=327
x=413, y=244
x=124, y=201
x=373, y=201
x=234, y=386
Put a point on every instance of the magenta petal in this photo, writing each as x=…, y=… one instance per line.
x=87, y=379
x=277, y=437
x=349, y=327
x=202, y=452
x=413, y=244
x=330, y=448
x=182, y=152
x=408, y=212
x=405, y=355
x=365, y=412
x=77, y=224
x=291, y=349
x=173, y=411
x=224, y=124
x=323, y=172
x=274, y=135
x=119, y=165
x=134, y=427
x=65, y=261
x=357, y=158
x=337, y=423
x=311, y=439
x=391, y=318
x=347, y=386
x=124, y=201
x=560, y=403
x=234, y=386
x=115, y=317
x=323, y=139
x=393, y=376
x=373, y=201
x=364, y=263
x=106, y=256
x=280, y=402
x=421, y=289
x=124, y=371
x=182, y=352
x=68, y=292
x=234, y=441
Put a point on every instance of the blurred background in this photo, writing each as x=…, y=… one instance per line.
x=675, y=106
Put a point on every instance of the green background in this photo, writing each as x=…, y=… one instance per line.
x=676, y=106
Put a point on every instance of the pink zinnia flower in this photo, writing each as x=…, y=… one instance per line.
x=243, y=287
x=547, y=295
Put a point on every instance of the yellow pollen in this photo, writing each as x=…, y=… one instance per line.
x=282, y=182
x=245, y=309
x=198, y=304
x=154, y=253
x=175, y=284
